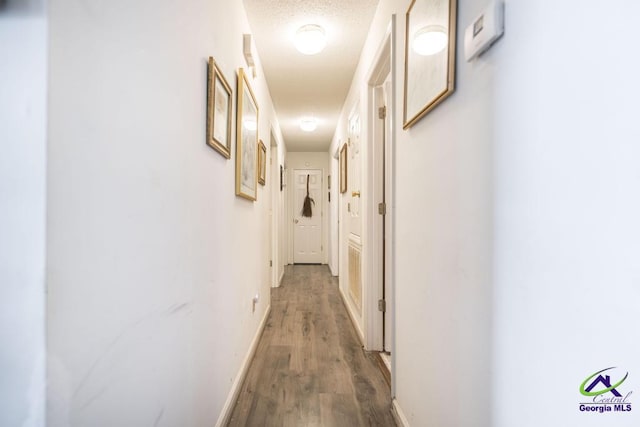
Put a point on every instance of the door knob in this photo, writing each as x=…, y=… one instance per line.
x=295, y=221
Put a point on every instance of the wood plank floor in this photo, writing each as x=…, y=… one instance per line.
x=310, y=368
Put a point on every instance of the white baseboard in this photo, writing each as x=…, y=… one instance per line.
x=227, y=409
x=399, y=416
x=352, y=316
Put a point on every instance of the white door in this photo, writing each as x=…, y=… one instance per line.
x=354, y=166
x=307, y=231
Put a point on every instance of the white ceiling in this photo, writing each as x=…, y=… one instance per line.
x=304, y=85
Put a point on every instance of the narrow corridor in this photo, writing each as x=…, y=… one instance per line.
x=310, y=368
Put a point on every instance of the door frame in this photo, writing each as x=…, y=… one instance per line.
x=276, y=211
x=383, y=63
x=334, y=211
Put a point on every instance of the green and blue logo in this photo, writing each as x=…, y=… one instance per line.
x=605, y=381
x=605, y=393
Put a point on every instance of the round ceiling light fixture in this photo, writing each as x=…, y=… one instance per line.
x=430, y=40
x=310, y=39
x=308, y=124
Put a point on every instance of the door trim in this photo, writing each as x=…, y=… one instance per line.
x=383, y=63
x=276, y=213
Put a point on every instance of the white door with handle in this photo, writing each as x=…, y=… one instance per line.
x=307, y=230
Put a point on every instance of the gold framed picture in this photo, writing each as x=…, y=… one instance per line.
x=343, y=168
x=430, y=54
x=262, y=163
x=219, y=107
x=247, y=140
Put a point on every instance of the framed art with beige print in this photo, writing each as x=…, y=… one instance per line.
x=343, y=168
x=219, y=108
x=262, y=163
x=246, y=140
x=430, y=52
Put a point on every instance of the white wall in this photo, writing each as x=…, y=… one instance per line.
x=443, y=243
x=308, y=160
x=567, y=235
x=23, y=78
x=444, y=248
x=516, y=218
x=153, y=259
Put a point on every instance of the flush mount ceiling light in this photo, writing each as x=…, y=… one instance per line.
x=308, y=124
x=430, y=40
x=310, y=39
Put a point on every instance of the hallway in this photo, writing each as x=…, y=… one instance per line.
x=309, y=368
x=483, y=224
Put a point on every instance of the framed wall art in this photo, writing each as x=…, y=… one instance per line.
x=247, y=140
x=219, y=108
x=429, y=61
x=343, y=168
x=262, y=163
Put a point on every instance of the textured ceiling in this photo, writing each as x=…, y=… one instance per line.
x=304, y=85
